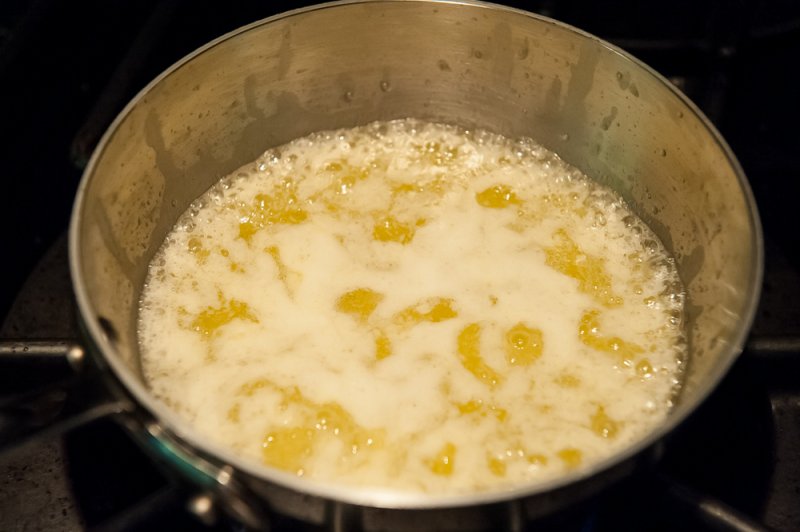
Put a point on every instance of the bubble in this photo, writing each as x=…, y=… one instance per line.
x=385, y=86
x=216, y=196
x=599, y=219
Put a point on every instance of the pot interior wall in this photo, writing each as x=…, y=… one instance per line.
x=470, y=65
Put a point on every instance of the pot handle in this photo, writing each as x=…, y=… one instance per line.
x=711, y=512
x=31, y=410
x=772, y=348
x=221, y=489
x=71, y=398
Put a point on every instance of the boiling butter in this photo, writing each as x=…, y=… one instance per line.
x=414, y=306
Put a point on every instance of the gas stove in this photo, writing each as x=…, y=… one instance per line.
x=68, y=69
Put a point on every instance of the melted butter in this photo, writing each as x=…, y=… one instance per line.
x=571, y=457
x=383, y=345
x=537, y=459
x=497, y=197
x=248, y=389
x=389, y=229
x=443, y=462
x=434, y=187
x=440, y=360
x=602, y=425
x=290, y=278
x=433, y=310
x=360, y=303
x=436, y=154
x=232, y=264
x=469, y=350
x=290, y=447
x=566, y=203
x=280, y=207
x=195, y=246
x=235, y=413
x=644, y=368
x=346, y=177
x=523, y=345
x=590, y=334
x=211, y=319
x=496, y=465
x=482, y=409
x=566, y=380
x=590, y=272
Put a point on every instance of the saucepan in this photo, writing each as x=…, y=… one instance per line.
x=350, y=63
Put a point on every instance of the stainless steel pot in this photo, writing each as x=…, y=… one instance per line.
x=345, y=64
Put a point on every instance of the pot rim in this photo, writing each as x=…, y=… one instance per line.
x=382, y=498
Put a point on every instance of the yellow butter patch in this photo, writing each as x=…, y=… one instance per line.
x=469, y=351
x=567, y=258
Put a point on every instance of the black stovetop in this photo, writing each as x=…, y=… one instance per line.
x=68, y=68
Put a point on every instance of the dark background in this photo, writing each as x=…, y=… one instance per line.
x=737, y=59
